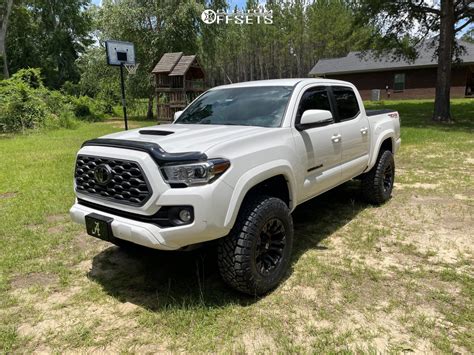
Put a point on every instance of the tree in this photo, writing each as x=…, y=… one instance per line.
x=49, y=35
x=301, y=33
x=4, y=17
x=403, y=25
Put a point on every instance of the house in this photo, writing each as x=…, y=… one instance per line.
x=399, y=79
x=179, y=79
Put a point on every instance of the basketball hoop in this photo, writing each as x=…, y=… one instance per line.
x=122, y=54
x=131, y=68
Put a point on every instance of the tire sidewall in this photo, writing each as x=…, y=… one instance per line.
x=386, y=160
x=272, y=208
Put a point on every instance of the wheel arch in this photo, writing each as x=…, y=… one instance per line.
x=274, y=179
x=385, y=141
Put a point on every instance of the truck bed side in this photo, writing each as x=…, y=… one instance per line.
x=384, y=124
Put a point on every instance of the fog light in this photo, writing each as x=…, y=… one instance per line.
x=185, y=215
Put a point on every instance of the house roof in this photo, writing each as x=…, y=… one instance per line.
x=183, y=65
x=353, y=63
x=167, y=62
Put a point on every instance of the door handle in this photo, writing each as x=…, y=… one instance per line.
x=336, y=138
x=364, y=131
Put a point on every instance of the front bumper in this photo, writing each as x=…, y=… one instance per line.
x=210, y=203
x=150, y=235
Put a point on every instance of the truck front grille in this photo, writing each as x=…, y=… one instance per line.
x=117, y=180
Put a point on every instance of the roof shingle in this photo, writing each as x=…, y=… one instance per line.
x=167, y=62
x=183, y=65
x=353, y=63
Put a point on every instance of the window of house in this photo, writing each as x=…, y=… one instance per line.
x=399, y=82
x=316, y=98
x=346, y=102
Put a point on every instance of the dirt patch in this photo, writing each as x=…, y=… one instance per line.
x=6, y=195
x=84, y=242
x=424, y=228
x=56, y=229
x=462, y=197
x=85, y=326
x=257, y=341
x=34, y=279
x=127, y=307
x=387, y=329
x=418, y=185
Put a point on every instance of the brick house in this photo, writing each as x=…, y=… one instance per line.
x=399, y=79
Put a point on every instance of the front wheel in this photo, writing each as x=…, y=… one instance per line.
x=377, y=184
x=256, y=254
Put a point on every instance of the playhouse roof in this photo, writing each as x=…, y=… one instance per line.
x=167, y=62
x=183, y=65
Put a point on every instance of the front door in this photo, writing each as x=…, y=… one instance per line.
x=322, y=149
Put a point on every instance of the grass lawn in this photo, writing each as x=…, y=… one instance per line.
x=394, y=278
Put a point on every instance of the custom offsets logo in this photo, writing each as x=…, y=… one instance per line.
x=249, y=17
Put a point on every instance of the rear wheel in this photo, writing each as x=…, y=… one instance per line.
x=377, y=184
x=256, y=254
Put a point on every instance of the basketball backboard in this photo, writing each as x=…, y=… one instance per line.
x=119, y=52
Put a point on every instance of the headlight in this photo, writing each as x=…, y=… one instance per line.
x=196, y=173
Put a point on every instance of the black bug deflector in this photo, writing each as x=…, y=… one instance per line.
x=159, y=155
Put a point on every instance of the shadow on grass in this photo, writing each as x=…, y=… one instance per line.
x=418, y=113
x=157, y=280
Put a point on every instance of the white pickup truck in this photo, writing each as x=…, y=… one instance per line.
x=233, y=166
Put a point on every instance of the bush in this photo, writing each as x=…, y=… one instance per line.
x=72, y=89
x=64, y=119
x=30, y=76
x=88, y=109
x=26, y=104
x=20, y=109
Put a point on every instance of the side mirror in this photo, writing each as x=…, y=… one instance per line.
x=176, y=115
x=316, y=118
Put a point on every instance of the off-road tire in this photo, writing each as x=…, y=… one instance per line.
x=238, y=252
x=377, y=184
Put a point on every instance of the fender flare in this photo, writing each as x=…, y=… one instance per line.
x=390, y=133
x=255, y=176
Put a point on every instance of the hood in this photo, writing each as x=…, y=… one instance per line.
x=175, y=138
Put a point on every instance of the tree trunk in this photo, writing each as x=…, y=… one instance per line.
x=442, y=111
x=149, y=113
x=3, y=38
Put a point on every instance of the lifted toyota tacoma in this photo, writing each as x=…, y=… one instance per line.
x=233, y=166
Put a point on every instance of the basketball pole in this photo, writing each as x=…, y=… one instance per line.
x=124, y=103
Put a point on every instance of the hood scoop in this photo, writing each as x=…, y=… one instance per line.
x=154, y=132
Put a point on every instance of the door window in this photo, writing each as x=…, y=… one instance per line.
x=346, y=102
x=316, y=98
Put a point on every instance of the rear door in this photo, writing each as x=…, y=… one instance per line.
x=320, y=152
x=353, y=126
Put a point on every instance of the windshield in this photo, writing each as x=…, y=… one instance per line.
x=246, y=106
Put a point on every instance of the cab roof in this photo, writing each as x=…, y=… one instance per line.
x=280, y=82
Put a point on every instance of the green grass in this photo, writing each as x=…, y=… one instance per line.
x=363, y=279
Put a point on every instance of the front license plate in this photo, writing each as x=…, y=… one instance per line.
x=99, y=226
